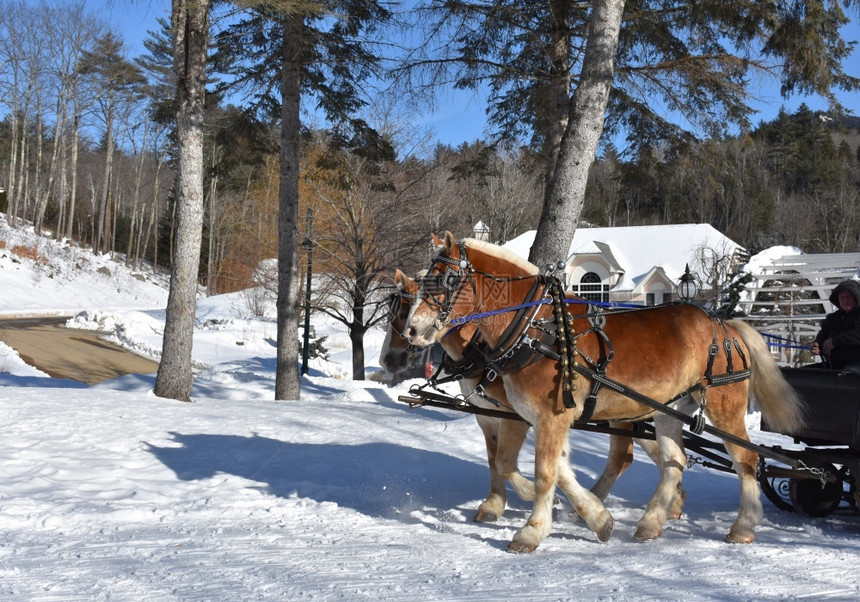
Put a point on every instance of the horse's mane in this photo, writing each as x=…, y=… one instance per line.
x=501, y=253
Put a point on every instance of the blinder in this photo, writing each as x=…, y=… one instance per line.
x=448, y=284
x=399, y=304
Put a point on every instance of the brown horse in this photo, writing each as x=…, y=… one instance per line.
x=673, y=354
x=504, y=437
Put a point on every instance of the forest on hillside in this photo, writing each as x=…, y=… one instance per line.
x=87, y=153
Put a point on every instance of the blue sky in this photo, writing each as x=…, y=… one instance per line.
x=460, y=116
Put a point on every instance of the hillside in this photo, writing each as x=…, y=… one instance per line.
x=40, y=276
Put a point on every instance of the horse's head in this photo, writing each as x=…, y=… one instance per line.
x=397, y=353
x=446, y=292
x=467, y=279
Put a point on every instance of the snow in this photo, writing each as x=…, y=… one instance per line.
x=111, y=493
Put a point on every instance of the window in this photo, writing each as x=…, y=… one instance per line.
x=591, y=288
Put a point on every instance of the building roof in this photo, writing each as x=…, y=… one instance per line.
x=636, y=250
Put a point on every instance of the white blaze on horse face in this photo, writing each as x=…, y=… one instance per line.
x=421, y=324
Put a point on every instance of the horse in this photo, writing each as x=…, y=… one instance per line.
x=503, y=437
x=608, y=364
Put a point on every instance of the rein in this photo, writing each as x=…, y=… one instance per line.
x=545, y=301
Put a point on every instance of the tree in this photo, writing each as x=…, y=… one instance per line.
x=363, y=225
x=676, y=78
x=118, y=82
x=315, y=49
x=190, y=26
x=565, y=194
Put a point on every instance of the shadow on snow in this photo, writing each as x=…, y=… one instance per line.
x=376, y=479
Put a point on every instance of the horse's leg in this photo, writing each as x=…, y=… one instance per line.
x=586, y=503
x=551, y=450
x=512, y=435
x=728, y=413
x=492, y=508
x=550, y=439
x=650, y=447
x=619, y=459
x=750, y=513
x=671, y=462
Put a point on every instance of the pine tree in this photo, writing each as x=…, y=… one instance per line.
x=283, y=52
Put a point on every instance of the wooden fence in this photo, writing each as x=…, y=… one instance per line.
x=788, y=297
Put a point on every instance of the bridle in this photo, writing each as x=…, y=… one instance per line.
x=399, y=304
x=450, y=283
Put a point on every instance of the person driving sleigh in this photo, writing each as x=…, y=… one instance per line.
x=838, y=341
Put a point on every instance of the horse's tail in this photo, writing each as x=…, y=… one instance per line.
x=781, y=406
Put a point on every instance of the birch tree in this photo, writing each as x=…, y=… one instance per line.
x=190, y=27
x=674, y=75
x=565, y=193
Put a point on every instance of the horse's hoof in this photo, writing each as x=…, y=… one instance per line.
x=521, y=547
x=484, y=516
x=740, y=537
x=647, y=533
x=604, y=532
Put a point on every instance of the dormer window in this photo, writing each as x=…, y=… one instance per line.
x=592, y=288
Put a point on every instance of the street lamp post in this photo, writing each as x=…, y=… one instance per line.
x=308, y=244
x=687, y=288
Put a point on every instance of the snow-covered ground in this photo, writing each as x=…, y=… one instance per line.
x=110, y=493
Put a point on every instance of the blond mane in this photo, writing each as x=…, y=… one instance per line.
x=501, y=253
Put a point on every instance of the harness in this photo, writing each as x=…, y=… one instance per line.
x=559, y=341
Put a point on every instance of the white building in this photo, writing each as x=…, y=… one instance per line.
x=644, y=264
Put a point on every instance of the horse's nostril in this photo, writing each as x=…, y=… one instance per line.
x=411, y=332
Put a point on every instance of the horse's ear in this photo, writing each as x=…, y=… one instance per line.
x=450, y=243
x=436, y=245
x=401, y=279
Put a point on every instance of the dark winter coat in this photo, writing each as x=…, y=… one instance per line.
x=843, y=327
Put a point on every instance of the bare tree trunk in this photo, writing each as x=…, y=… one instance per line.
x=135, y=201
x=59, y=140
x=153, y=218
x=63, y=185
x=287, y=376
x=565, y=194
x=99, y=233
x=211, y=284
x=190, y=23
x=19, y=190
x=73, y=168
x=38, y=187
x=12, y=184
